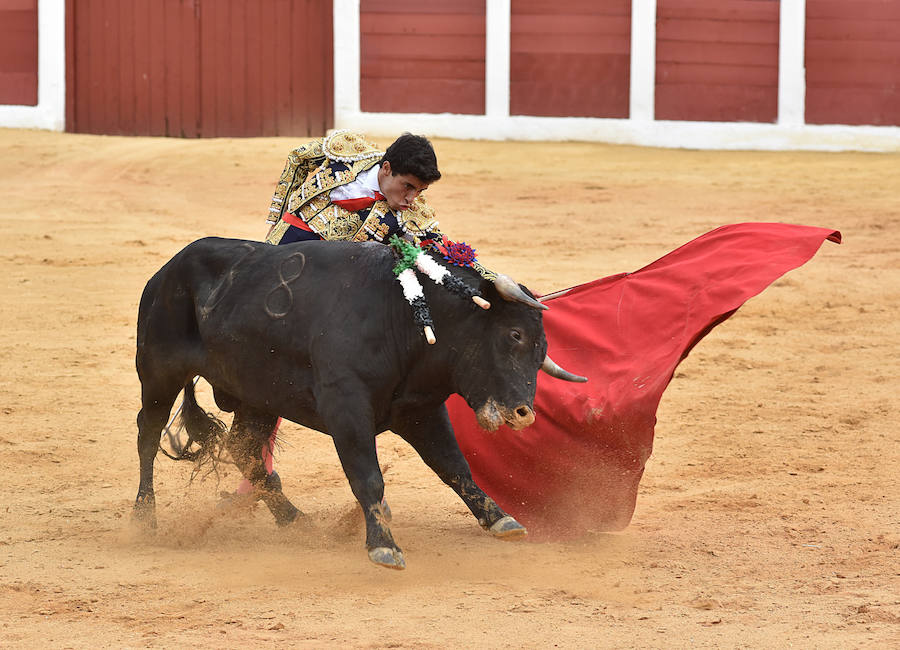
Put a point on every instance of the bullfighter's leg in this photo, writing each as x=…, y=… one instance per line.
x=156, y=404
x=249, y=435
x=268, y=451
x=268, y=456
x=431, y=435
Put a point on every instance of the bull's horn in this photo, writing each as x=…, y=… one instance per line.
x=551, y=368
x=510, y=290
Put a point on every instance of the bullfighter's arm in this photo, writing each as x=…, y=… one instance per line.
x=300, y=162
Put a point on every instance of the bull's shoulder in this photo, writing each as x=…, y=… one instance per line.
x=368, y=251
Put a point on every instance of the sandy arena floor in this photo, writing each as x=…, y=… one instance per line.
x=768, y=515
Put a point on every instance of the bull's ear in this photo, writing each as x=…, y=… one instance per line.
x=510, y=290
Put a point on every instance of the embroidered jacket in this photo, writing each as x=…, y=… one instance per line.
x=316, y=168
x=313, y=170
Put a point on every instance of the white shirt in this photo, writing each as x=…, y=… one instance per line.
x=364, y=185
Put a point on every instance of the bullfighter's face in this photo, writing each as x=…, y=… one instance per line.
x=399, y=190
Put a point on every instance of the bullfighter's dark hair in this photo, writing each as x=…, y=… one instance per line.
x=413, y=154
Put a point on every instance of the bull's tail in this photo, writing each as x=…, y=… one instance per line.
x=201, y=427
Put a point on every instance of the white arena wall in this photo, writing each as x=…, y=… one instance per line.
x=50, y=112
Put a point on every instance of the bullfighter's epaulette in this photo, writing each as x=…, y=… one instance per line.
x=349, y=147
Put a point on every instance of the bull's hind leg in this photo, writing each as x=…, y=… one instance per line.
x=151, y=419
x=249, y=433
x=431, y=435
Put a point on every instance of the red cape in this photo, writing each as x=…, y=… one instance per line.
x=577, y=468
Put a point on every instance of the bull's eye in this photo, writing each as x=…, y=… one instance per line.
x=516, y=335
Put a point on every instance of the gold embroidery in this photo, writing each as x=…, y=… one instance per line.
x=418, y=219
x=317, y=213
x=333, y=222
x=381, y=232
x=277, y=233
x=300, y=162
x=349, y=147
x=374, y=226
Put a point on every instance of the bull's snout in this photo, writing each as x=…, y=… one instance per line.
x=521, y=417
x=492, y=415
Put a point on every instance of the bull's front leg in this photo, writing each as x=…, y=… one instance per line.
x=352, y=430
x=431, y=435
x=360, y=463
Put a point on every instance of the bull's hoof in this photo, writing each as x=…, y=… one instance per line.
x=387, y=557
x=144, y=521
x=144, y=513
x=508, y=529
x=286, y=513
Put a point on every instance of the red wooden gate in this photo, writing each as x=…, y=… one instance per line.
x=199, y=68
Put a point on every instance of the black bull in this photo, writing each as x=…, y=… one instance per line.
x=320, y=333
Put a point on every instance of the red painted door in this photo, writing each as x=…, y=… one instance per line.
x=199, y=68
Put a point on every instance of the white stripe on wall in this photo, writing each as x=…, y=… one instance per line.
x=791, y=66
x=496, y=58
x=50, y=112
x=346, y=57
x=642, y=99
